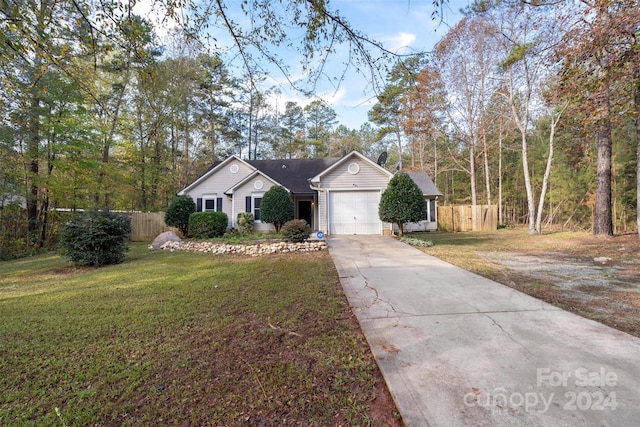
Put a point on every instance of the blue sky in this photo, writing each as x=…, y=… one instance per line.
x=401, y=25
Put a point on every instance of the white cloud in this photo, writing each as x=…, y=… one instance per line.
x=332, y=99
x=155, y=13
x=400, y=41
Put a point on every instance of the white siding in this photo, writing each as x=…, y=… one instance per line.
x=249, y=189
x=368, y=176
x=222, y=179
x=359, y=182
x=322, y=212
x=219, y=182
x=423, y=225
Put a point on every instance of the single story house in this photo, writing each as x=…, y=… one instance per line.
x=334, y=195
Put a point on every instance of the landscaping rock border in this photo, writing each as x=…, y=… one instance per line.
x=252, y=250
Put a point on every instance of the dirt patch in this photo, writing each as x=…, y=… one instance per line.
x=600, y=281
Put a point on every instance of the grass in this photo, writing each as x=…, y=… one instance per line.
x=454, y=246
x=181, y=339
x=613, y=301
x=464, y=249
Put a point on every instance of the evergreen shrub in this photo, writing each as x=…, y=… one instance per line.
x=96, y=238
x=178, y=213
x=296, y=230
x=276, y=207
x=203, y=225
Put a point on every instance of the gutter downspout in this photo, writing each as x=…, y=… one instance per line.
x=318, y=190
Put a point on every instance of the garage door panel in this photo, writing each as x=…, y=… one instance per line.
x=354, y=212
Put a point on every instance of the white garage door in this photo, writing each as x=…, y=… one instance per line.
x=354, y=212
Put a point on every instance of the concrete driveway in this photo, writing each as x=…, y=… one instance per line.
x=457, y=349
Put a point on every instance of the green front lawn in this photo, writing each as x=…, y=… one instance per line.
x=181, y=339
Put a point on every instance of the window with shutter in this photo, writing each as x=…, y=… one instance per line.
x=209, y=203
x=256, y=208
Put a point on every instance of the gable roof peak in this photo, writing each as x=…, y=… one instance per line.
x=343, y=159
x=217, y=165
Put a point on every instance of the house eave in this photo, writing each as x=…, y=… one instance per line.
x=207, y=174
x=316, y=179
x=249, y=177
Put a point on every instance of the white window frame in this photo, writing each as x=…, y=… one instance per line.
x=255, y=196
x=433, y=213
x=214, y=198
x=430, y=215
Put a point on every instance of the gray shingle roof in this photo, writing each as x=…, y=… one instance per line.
x=425, y=183
x=293, y=173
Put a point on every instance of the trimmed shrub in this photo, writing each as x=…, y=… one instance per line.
x=178, y=213
x=276, y=207
x=401, y=202
x=96, y=238
x=296, y=230
x=204, y=225
x=245, y=223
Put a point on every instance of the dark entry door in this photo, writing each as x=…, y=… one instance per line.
x=305, y=211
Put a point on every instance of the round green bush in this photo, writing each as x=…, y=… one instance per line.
x=178, y=213
x=296, y=230
x=203, y=225
x=276, y=207
x=96, y=238
x=401, y=202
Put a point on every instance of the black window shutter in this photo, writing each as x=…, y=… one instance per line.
x=247, y=204
x=199, y=204
x=219, y=204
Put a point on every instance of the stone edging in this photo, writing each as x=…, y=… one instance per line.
x=252, y=250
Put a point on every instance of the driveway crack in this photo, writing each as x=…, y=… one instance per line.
x=377, y=296
x=392, y=311
x=508, y=334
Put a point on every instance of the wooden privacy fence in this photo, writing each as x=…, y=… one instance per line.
x=145, y=226
x=468, y=218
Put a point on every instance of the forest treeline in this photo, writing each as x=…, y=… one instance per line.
x=533, y=108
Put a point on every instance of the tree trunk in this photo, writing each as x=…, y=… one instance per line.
x=602, y=221
x=142, y=202
x=545, y=179
x=187, y=142
x=33, y=128
x=250, y=130
x=114, y=115
x=472, y=171
x=213, y=138
x=487, y=181
x=500, y=210
x=412, y=144
x=527, y=183
x=399, y=139
x=33, y=154
x=636, y=101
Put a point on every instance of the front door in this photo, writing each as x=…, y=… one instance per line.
x=305, y=211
